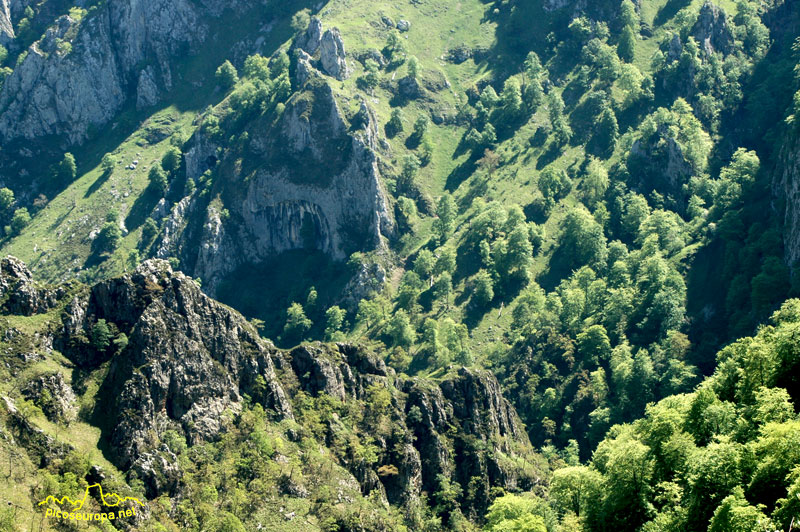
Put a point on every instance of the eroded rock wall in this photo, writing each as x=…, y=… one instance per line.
x=312, y=182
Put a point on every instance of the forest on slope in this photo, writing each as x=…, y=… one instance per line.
x=595, y=201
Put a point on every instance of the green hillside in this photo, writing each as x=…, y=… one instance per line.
x=594, y=201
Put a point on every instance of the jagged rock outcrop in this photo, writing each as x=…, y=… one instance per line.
x=472, y=402
x=54, y=396
x=332, y=55
x=313, y=181
x=341, y=373
x=312, y=38
x=327, y=47
x=39, y=445
x=65, y=93
x=460, y=427
x=187, y=361
x=675, y=47
x=712, y=30
x=478, y=404
x=304, y=69
x=20, y=294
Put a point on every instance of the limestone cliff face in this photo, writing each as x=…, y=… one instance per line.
x=19, y=294
x=6, y=27
x=324, y=49
x=54, y=396
x=54, y=92
x=458, y=428
x=470, y=401
x=309, y=180
x=785, y=172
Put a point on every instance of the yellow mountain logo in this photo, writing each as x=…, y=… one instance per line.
x=111, y=500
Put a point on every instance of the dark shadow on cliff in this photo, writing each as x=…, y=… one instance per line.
x=265, y=291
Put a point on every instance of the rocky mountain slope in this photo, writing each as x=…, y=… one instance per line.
x=65, y=91
x=501, y=245
x=6, y=28
x=189, y=363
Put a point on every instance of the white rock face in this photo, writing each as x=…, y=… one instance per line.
x=327, y=47
x=6, y=28
x=304, y=69
x=52, y=93
x=332, y=55
x=312, y=38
